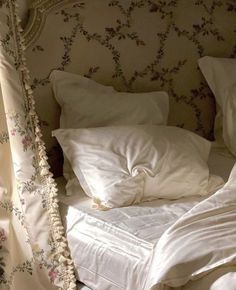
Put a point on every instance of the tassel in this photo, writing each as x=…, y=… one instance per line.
x=72, y=285
x=62, y=259
x=44, y=171
x=61, y=254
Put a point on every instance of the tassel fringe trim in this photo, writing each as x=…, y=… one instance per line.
x=62, y=254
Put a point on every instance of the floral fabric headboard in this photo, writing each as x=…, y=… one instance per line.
x=135, y=46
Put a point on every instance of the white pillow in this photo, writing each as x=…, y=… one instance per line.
x=66, y=86
x=85, y=103
x=119, y=166
x=220, y=74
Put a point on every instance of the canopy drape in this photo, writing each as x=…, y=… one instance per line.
x=33, y=249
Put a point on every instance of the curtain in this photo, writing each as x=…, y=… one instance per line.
x=33, y=250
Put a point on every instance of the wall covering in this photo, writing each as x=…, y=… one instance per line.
x=135, y=46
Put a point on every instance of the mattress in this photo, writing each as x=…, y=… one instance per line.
x=113, y=249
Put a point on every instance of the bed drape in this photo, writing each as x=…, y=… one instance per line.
x=33, y=250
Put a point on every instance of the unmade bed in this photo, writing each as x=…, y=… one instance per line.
x=127, y=110
x=113, y=249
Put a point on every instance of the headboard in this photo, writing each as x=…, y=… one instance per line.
x=141, y=45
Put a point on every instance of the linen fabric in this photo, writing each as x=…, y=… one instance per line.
x=33, y=250
x=181, y=255
x=220, y=74
x=85, y=103
x=127, y=230
x=65, y=86
x=218, y=162
x=113, y=249
x=118, y=166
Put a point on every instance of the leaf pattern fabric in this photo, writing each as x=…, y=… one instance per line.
x=33, y=250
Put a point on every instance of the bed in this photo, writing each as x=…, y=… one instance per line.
x=120, y=248
x=113, y=249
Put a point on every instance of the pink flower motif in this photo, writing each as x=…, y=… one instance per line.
x=52, y=274
x=13, y=132
x=26, y=141
x=2, y=236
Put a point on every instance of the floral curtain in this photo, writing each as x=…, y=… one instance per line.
x=33, y=249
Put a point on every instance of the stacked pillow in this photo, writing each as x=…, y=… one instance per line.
x=85, y=104
x=119, y=148
x=220, y=74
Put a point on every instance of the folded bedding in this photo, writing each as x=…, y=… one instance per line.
x=116, y=249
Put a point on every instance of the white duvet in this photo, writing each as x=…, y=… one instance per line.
x=198, y=252
x=189, y=245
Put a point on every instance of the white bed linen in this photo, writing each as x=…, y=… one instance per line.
x=199, y=249
x=114, y=249
x=138, y=163
x=81, y=286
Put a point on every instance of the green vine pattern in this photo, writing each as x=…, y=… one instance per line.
x=23, y=130
x=157, y=72
x=3, y=238
x=4, y=137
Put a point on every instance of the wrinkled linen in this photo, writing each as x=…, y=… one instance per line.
x=85, y=104
x=113, y=249
x=201, y=241
x=116, y=249
x=124, y=165
x=220, y=278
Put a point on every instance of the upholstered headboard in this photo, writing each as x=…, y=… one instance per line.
x=141, y=45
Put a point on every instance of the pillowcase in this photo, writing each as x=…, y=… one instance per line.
x=119, y=166
x=72, y=83
x=220, y=74
x=85, y=103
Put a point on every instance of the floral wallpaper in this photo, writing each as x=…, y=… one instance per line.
x=135, y=46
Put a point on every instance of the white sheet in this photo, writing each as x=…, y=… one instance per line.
x=114, y=249
x=200, y=248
